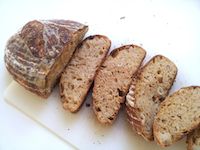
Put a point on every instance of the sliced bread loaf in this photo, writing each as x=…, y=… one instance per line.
x=178, y=115
x=193, y=140
x=79, y=73
x=147, y=91
x=113, y=79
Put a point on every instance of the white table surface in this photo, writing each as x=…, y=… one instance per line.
x=17, y=131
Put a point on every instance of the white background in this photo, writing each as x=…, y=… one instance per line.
x=169, y=27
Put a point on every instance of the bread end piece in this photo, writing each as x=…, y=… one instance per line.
x=36, y=55
x=178, y=115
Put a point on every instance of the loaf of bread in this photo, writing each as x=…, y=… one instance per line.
x=79, y=74
x=193, y=140
x=148, y=89
x=113, y=79
x=38, y=53
x=178, y=115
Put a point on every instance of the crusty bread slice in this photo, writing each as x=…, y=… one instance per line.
x=79, y=74
x=193, y=140
x=178, y=115
x=113, y=80
x=147, y=91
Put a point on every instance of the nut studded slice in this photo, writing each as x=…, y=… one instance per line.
x=113, y=80
x=178, y=115
x=147, y=91
x=193, y=140
x=79, y=73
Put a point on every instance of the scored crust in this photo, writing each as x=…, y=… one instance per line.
x=79, y=74
x=113, y=80
x=148, y=89
x=37, y=54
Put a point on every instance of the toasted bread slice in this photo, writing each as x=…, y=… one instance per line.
x=113, y=80
x=178, y=115
x=193, y=140
x=79, y=74
x=147, y=91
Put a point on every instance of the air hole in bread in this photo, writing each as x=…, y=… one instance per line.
x=150, y=85
x=154, y=98
x=62, y=96
x=101, y=52
x=97, y=109
x=114, y=53
x=79, y=79
x=179, y=116
x=110, y=118
x=161, y=98
x=185, y=132
x=120, y=92
x=103, y=66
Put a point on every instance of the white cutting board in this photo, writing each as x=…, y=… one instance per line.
x=81, y=130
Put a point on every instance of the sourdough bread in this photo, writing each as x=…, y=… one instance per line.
x=148, y=89
x=38, y=53
x=113, y=79
x=178, y=115
x=79, y=74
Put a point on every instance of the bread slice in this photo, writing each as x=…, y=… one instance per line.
x=79, y=74
x=113, y=80
x=178, y=115
x=147, y=91
x=193, y=140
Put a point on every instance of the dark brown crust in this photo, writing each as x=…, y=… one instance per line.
x=132, y=111
x=113, y=54
x=92, y=78
x=31, y=32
